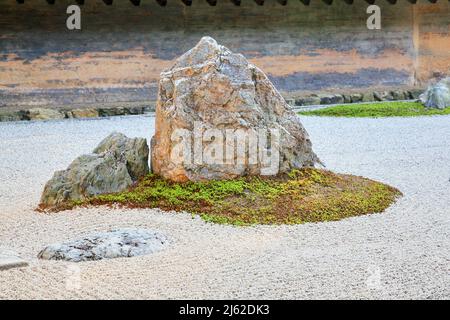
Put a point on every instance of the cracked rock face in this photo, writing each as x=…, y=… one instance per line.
x=116, y=163
x=107, y=245
x=437, y=95
x=220, y=117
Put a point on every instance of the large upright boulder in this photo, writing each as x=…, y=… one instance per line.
x=227, y=116
x=115, y=164
x=437, y=95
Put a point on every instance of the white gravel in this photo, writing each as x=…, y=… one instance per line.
x=403, y=253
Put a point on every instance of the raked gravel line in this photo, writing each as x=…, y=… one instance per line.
x=403, y=253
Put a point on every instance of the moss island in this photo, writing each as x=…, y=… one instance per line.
x=306, y=195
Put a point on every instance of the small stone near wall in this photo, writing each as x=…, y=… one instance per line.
x=437, y=95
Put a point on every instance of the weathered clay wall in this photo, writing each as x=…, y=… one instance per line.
x=122, y=48
x=432, y=23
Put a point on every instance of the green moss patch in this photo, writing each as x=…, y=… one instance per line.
x=307, y=195
x=377, y=110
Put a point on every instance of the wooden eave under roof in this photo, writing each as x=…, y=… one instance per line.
x=236, y=2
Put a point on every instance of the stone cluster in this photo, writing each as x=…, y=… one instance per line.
x=70, y=113
x=375, y=96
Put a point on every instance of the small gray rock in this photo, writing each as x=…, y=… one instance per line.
x=107, y=245
x=290, y=102
x=368, y=97
x=331, y=99
x=114, y=165
x=307, y=101
x=383, y=96
x=398, y=95
x=347, y=98
x=149, y=109
x=415, y=93
x=9, y=260
x=136, y=110
x=438, y=95
x=83, y=113
x=111, y=112
x=356, y=97
x=13, y=115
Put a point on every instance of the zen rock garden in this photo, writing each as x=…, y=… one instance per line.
x=227, y=147
x=245, y=150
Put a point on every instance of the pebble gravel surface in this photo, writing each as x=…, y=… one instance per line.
x=403, y=253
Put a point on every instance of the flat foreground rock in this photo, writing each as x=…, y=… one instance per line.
x=106, y=245
x=9, y=260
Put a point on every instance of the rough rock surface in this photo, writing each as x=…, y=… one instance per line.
x=221, y=90
x=44, y=114
x=114, y=165
x=83, y=113
x=331, y=99
x=437, y=95
x=368, y=97
x=383, y=96
x=107, y=245
x=9, y=260
x=313, y=99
